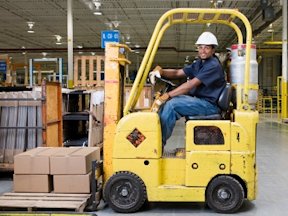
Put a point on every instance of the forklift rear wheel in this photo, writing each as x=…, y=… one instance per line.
x=225, y=194
x=125, y=192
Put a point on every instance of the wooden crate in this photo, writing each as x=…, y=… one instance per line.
x=37, y=201
x=52, y=114
x=88, y=71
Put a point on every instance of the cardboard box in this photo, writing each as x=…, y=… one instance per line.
x=32, y=183
x=72, y=183
x=34, y=161
x=145, y=99
x=74, y=160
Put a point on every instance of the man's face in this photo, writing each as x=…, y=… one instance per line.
x=205, y=51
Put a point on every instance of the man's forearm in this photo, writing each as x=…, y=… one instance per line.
x=171, y=73
x=184, y=88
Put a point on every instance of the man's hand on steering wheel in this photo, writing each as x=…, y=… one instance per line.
x=155, y=73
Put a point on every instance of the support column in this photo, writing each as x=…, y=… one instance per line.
x=70, y=42
x=284, y=63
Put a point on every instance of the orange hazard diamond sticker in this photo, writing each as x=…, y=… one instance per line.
x=136, y=137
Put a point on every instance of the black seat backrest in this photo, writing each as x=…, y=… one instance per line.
x=223, y=103
x=225, y=97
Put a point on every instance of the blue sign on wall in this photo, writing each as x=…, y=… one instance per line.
x=3, y=66
x=109, y=36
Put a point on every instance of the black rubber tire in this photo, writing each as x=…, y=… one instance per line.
x=125, y=192
x=225, y=194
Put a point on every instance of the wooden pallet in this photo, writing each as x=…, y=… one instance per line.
x=32, y=201
x=6, y=167
x=88, y=71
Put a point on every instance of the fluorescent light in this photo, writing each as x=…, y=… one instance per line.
x=97, y=13
x=97, y=5
x=30, y=27
x=58, y=38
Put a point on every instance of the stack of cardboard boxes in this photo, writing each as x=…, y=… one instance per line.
x=61, y=170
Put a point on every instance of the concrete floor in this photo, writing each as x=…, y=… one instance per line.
x=272, y=151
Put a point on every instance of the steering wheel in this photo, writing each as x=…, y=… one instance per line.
x=169, y=85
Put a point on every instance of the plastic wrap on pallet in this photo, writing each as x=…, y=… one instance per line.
x=20, y=114
x=95, y=136
x=97, y=97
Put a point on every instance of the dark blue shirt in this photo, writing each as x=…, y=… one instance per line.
x=212, y=78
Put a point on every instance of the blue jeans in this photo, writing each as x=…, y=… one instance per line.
x=182, y=105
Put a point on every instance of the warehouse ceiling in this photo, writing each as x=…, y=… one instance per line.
x=135, y=19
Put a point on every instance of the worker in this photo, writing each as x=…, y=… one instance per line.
x=197, y=96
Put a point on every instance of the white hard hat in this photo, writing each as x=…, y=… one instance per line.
x=207, y=38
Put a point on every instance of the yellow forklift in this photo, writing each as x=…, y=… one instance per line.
x=217, y=164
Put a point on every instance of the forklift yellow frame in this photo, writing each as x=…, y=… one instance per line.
x=192, y=16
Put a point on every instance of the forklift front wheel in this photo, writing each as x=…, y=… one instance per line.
x=125, y=192
x=225, y=194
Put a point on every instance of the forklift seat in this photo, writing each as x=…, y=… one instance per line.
x=223, y=103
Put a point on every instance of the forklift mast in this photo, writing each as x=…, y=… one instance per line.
x=115, y=63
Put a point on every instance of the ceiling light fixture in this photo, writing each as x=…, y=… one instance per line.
x=44, y=55
x=58, y=39
x=115, y=23
x=30, y=27
x=24, y=51
x=270, y=29
x=217, y=3
x=97, y=5
x=97, y=13
x=94, y=6
x=128, y=39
